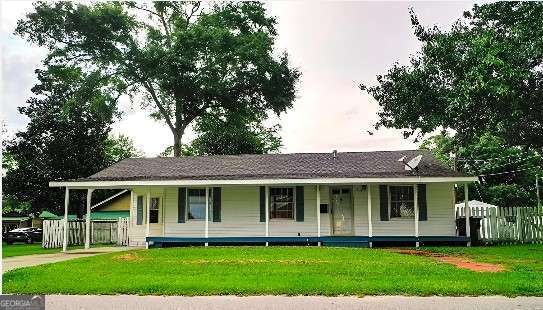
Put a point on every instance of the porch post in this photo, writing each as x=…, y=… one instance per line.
x=267, y=204
x=147, y=216
x=319, y=213
x=416, y=204
x=207, y=216
x=467, y=211
x=66, y=203
x=370, y=225
x=88, y=219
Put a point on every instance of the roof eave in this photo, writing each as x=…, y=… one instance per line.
x=135, y=183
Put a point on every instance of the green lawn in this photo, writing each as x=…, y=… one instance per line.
x=19, y=249
x=284, y=270
x=25, y=249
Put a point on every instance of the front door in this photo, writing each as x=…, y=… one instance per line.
x=342, y=211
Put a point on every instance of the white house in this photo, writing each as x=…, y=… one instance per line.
x=319, y=198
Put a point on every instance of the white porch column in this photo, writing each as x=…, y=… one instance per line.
x=416, y=204
x=147, y=216
x=370, y=224
x=467, y=211
x=66, y=203
x=318, y=212
x=88, y=219
x=207, y=216
x=267, y=204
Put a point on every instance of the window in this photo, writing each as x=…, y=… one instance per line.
x=324, y=208
x=153, y=210
x=282, y=203
x=197, y=204
x=402, y=203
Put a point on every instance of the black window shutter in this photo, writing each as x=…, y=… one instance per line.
x=383, y=202
x=262, y=203
x=423, y=204
x=181, y=204
x=216, y=204
x=299, y=203
x=139, y=210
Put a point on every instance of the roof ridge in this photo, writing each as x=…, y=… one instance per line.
x=280, y=154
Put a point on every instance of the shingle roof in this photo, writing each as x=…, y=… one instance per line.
x=278, y=166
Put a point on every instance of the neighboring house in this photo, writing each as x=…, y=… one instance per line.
x=111, y=209
x=330, y=198
x=46, y=215
x=14, y=220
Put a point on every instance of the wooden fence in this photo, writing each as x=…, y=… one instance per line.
x=508, y=225
x=101, y=232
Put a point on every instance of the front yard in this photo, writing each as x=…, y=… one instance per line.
x=285, y=270
x=19, y=249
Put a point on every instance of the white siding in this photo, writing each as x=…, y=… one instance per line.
x=240, y=215
x=137, y=232
x=441, y=220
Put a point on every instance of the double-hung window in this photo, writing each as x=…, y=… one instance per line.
x=154, y=210
x=402, y=202
x=282, y=203
x=197, y=204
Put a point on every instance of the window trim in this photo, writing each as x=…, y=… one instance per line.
x=274, y=219
x=390, y=218
x=209, y=204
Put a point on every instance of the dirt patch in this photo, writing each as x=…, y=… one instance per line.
x=458, y=261
x=129, y=257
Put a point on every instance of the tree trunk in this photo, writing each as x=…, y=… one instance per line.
x=177, y=143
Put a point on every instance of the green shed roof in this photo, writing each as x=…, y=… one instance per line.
x=46, y=215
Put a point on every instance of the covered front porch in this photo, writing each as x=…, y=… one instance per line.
x=287, y=212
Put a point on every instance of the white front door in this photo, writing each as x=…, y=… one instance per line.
x=342, y=211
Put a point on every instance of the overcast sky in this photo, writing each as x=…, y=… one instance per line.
x=336, y=46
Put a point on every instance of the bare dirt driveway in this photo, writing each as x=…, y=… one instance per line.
x=15, y=262
x=283, y=303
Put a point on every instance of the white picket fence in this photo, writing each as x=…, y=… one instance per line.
x=101, y=232
x=507, y=225
x=122, y=231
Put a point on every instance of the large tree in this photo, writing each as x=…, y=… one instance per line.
x=67, y=137
x=226, y=132
x=485, y=74
x=180, y=59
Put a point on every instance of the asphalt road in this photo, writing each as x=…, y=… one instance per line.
x=283, y=303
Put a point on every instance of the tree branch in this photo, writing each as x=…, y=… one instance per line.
x=194, y=9
x=161, y=108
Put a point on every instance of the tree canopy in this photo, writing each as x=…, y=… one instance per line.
x=483, y=75
x=507, y=173
x=181, y=60
x=235, y=132
x=68, y=136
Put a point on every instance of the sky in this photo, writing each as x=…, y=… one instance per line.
x=336, y=46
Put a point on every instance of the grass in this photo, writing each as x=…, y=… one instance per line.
x=284, y=270
x=20, y=249
x=25, y=249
